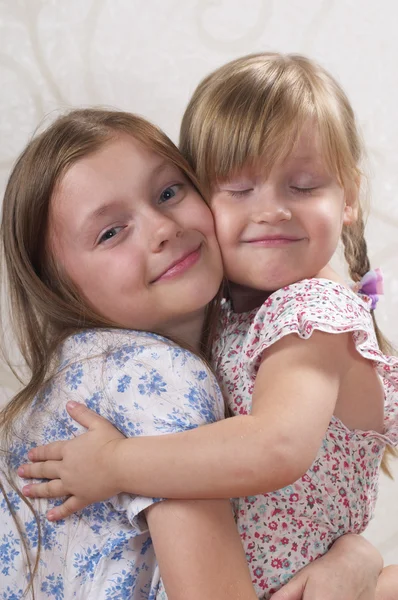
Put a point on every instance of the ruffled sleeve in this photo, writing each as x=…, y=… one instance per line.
x=323, y=305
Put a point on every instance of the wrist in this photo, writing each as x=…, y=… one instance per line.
x=113, y=459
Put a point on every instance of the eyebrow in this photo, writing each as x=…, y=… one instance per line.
x=304, y=157
x=102, y=211
x=110, y=206
x=89, y=223
x=307, y=157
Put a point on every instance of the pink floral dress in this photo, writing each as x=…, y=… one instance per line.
x=284, y=530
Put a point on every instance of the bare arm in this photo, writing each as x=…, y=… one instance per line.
x=250, y=454
x=196, y=565
x=244, y=455
x=347, y=572
x=199, y=551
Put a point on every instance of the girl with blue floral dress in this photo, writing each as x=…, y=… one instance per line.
x=104, y=235
x=305, y=370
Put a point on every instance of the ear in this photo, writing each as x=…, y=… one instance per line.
x=350, y=215
x=351, y=206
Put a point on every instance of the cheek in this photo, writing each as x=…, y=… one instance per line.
x=226, y=225
x=122, y=266
x=327, y=220
x=104, y=276
x=208, y=227
x=69, y=262
x=201, y=218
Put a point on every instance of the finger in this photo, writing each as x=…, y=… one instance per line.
x=53, y=451
x=48, y=489
x=83, y=415
x=294, y=590
x=70, y=506
x=49, y=469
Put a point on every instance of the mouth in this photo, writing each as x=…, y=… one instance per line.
x=180, y=265
x=271, y=241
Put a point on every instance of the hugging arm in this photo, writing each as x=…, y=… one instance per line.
x=199, y=551
x=197, y=545
x=196, y=565
x=244, y=455
x=351, y=570
x=348, y=572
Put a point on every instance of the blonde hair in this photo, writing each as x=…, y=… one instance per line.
x=254, y=108
x=45, y=307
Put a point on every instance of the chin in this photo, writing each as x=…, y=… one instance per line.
x=203, y=290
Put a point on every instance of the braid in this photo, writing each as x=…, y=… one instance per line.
x=356, y=255
x=356, y=249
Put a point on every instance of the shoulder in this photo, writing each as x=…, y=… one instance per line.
x=312, y=303
x=305, y=307
x=116, y=349
x=99, y=343
x=143, y=382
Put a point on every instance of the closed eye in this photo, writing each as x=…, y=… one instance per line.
x=303, y=190
x=239, y=193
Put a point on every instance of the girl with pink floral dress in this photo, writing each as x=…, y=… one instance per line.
x=303, y=367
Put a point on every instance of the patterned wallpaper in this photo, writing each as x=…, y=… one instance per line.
x=148, y=58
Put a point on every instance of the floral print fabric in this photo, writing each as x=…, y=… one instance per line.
x=143, y=384
x=285, y=530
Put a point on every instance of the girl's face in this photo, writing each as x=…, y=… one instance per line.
x=277, y=230
x=135, y=237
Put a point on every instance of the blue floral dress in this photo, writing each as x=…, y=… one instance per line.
x=143, y=384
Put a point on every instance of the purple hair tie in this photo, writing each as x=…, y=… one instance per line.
x=371, y=285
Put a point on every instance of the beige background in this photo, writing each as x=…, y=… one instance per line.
x=147, y=57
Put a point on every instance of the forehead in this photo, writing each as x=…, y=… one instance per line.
x=122, y=165
x=122, y=153
x=307, y=144
x=305, y=150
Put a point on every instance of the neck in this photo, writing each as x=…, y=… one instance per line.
x=188, y=331
x=244, y=299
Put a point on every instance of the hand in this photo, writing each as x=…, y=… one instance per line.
x=349, y=571
x=387, y=585
x=80, y=468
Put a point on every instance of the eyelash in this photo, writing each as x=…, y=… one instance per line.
x=101, y=238
x=304, y=191
x=169, y=187
x=296, y=190
x=239, y=193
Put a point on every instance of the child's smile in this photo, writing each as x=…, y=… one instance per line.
x=136, y=237
x=283, y=226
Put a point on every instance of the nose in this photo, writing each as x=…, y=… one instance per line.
x=162, y=229
x=271, y=208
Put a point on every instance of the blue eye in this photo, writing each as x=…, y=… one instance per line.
x=109, y=234
x=169, y=193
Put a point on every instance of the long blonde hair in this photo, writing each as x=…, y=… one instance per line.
x=254, y=108
x=45, y=307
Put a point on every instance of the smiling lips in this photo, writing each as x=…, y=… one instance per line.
x=180, y=265
x=272, y=241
